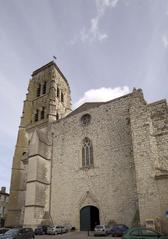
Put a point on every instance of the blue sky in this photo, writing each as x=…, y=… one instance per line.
x=103, y=47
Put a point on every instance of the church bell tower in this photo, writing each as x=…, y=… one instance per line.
x=48, y=99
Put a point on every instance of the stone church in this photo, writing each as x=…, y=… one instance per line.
x=103, y=162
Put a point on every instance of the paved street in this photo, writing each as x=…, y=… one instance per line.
x=73, y=235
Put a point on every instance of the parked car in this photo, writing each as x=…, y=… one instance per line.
x=60, y=229
x=68, y=227
x=41, y=230
x=101, y=230
x=19, y=233
x=3, y=230
x=144, y=233
x=50, y=230
x=57, y=229
x=118, y=230
x=45, y=227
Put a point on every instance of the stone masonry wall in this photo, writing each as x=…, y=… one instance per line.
x=110, y=185
x=159, y=117
x=38, y=181
x=150, y=147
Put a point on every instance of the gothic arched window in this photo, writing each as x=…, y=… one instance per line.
x=44, y=87
x=85, y=119
x=87, y=153
x=38, y=90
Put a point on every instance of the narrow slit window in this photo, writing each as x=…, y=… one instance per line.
x=43, y=113
x=57, y=116
x=38, y=90
x=44, y=87
x=62, y=97
x=58, y=92
x=36, y=116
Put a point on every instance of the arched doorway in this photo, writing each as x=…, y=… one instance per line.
x=89, y=218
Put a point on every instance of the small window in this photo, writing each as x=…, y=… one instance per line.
x=44, y=87
x=58, y=92
x=38, y=90
x=87, y=153
x=43, y=113
x=57, y=116
x=85, y=119
x=62, y=97
x=36, y=115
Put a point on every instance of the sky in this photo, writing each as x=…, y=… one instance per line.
x=103, y=47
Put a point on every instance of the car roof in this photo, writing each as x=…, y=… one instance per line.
x=15, y=228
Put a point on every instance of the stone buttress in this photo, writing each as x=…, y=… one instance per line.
x=149, y=124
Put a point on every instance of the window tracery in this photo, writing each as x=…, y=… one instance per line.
x=87, y=153
x=85, y=119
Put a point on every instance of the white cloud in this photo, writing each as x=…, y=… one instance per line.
x=102, y=37
x=93, y=33
x=102, y=94
x=165, y=41
x=102, y=4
